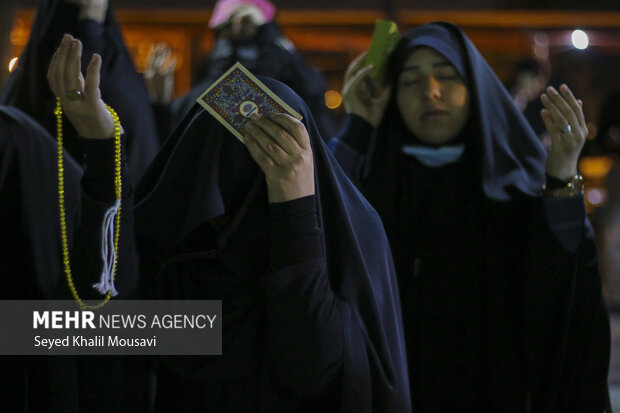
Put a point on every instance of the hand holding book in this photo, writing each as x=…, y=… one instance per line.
x=281, y=147
x=366, y=91
x=270, y=129
x=359, y=97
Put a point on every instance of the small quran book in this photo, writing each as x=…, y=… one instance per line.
x=237, y=95
x=384, y=40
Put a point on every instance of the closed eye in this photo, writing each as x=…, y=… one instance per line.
x=411, y=82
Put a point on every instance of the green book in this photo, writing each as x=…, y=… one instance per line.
x=384, y=40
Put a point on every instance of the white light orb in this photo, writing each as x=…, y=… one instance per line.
x=580, y=39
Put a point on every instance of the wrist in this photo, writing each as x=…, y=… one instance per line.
x=561, y=170
x=561, y=166
x=95, y=128
x=363, y=116
x=281, y=194
x=276, y=197
x=573, y=187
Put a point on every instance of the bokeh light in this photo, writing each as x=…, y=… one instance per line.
x=13, y=64
x=580, y=39
x=333, y=99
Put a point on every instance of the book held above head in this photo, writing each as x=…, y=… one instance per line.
x=237, y=95
x=384, y=40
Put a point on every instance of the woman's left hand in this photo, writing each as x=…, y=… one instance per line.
x=280, y=145
x=564, y=120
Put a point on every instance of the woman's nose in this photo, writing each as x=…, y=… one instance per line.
x=433, y=89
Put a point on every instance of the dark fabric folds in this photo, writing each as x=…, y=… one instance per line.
x=31, y=253
x=29, y=188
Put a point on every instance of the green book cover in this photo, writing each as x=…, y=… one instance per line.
x=384, y=40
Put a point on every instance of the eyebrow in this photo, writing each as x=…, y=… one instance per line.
x=435, y=65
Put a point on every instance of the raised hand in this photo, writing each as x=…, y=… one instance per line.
x=80, y=98
x=159, y=74
x=245, y=21
x=564, y=120
x=281, y=147
x=356, y=94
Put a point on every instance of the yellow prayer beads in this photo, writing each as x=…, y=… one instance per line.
x=61, y=203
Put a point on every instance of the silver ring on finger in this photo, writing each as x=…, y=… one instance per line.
x=566, y=129
x=74, y=94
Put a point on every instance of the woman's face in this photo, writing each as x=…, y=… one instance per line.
x=432, y=97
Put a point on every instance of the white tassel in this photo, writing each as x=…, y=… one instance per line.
x=108, y=253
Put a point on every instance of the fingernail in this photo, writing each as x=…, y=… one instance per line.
x=249, y=125
x=551, y=90
x=563, y=87
x=255, y=116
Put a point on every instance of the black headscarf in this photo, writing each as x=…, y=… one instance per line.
x=208, y=174
x=121, y=87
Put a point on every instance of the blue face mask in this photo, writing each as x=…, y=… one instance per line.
x=435, y=157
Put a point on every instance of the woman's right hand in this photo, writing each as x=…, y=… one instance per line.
x=357, y=96
x=280, y=145
x=80, y=98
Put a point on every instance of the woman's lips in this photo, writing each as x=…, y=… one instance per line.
x=433, y=114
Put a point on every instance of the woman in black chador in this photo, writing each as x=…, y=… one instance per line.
x=275, y=230
x=500, y=291
x=30, y=253
x=93, y=22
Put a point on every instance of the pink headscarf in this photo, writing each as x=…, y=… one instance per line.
x=224, y=8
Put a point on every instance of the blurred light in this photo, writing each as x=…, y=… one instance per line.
x=595, y=196
x=580, y=39
x=541, y=39
x=595, y=167
x=20, y=33
x=12, y=64
x=592, y=130
x=541, y=52
x=333, y=99
x=614, y=133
